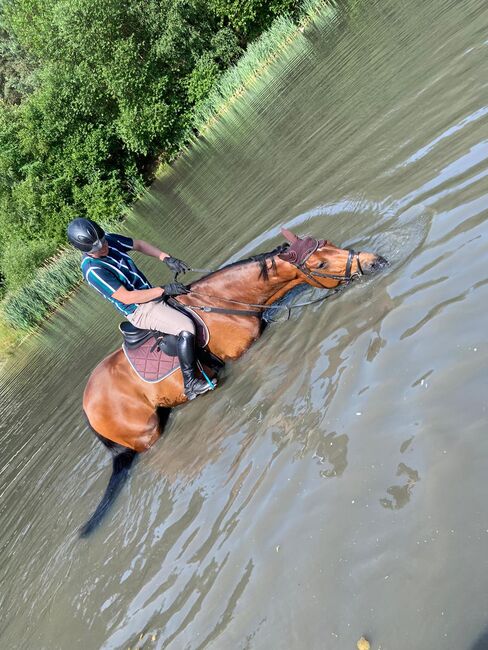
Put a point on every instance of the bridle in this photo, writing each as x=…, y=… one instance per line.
x=347, y=277
x=298, y=259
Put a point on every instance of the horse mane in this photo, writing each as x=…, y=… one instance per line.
x=261, y=258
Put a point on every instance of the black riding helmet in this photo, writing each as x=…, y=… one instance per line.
x=86, y=235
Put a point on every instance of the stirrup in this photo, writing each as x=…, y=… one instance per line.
x=199, y=387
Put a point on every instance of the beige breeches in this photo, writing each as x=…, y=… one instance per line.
x=161, y=317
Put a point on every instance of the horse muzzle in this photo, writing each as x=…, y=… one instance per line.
x=372, y=263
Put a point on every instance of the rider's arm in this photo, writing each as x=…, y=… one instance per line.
x=128, y=297
x=148, y=249
x=109, y=285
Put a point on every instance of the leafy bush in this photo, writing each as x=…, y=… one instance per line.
x=21, y=258
x=204, y=75
x=249, y=18
x=94, y=92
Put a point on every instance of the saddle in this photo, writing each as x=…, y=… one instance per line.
x=153, y=355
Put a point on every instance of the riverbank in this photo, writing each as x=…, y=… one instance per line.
x=25, y=309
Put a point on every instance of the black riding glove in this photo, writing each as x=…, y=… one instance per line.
x=174, y=289
x=175, y=265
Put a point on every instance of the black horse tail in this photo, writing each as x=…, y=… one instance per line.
x=122, y=459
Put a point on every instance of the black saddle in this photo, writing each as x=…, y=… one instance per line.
x=166, y=343
x=135, y=337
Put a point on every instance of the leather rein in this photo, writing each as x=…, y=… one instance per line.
x=301, y=266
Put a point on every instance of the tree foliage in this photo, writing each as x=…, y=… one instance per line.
x=94, y=91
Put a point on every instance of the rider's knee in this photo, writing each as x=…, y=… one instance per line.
x=188, y=327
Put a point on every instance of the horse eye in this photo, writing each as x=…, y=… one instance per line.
x=322, y=265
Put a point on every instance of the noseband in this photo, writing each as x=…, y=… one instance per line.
x=299, y=253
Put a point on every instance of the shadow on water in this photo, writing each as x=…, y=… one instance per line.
x=482, y=642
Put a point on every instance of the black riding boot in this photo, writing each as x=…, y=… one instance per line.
x=186, y=356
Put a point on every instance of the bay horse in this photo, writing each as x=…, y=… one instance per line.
x=128, y=414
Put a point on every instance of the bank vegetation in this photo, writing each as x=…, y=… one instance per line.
x=94, y=96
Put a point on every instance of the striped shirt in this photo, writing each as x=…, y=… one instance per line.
x=114, y=270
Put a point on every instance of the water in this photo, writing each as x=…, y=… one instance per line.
x=334, y=485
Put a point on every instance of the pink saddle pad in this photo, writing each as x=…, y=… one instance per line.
x=152, y=365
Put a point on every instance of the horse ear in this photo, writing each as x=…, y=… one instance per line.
x=289, y=236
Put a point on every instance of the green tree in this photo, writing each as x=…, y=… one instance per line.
x=101, y=90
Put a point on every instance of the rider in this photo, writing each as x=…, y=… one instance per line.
x=107, y=267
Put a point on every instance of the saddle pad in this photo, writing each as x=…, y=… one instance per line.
x=155, y=366
x=150, y=366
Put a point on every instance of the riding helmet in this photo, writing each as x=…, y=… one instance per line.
x=86, y=235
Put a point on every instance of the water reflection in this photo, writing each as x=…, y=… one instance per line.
x=332, y=449
x=433, y=313
x=482, y=642
x=230, y=607
x=401, y=493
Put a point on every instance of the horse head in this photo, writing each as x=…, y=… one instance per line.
x=326, y=265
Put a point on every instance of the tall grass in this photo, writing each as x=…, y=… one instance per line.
x=259, y=56
x=27, y=307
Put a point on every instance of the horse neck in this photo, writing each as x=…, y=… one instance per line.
x=245, y=282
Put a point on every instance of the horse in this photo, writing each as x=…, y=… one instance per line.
x=128, y=415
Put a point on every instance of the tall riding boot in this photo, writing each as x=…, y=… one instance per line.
x=186, y=356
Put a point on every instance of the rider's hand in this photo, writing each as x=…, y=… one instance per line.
x=175, y=265
x=174, y=289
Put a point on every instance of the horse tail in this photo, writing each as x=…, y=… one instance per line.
x=122, y=459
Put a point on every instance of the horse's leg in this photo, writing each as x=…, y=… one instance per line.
x=129, y=426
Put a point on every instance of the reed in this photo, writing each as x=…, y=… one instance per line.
x=259, y=56
x=28, y=306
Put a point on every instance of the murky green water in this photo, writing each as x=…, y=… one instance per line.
x=335, y=485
